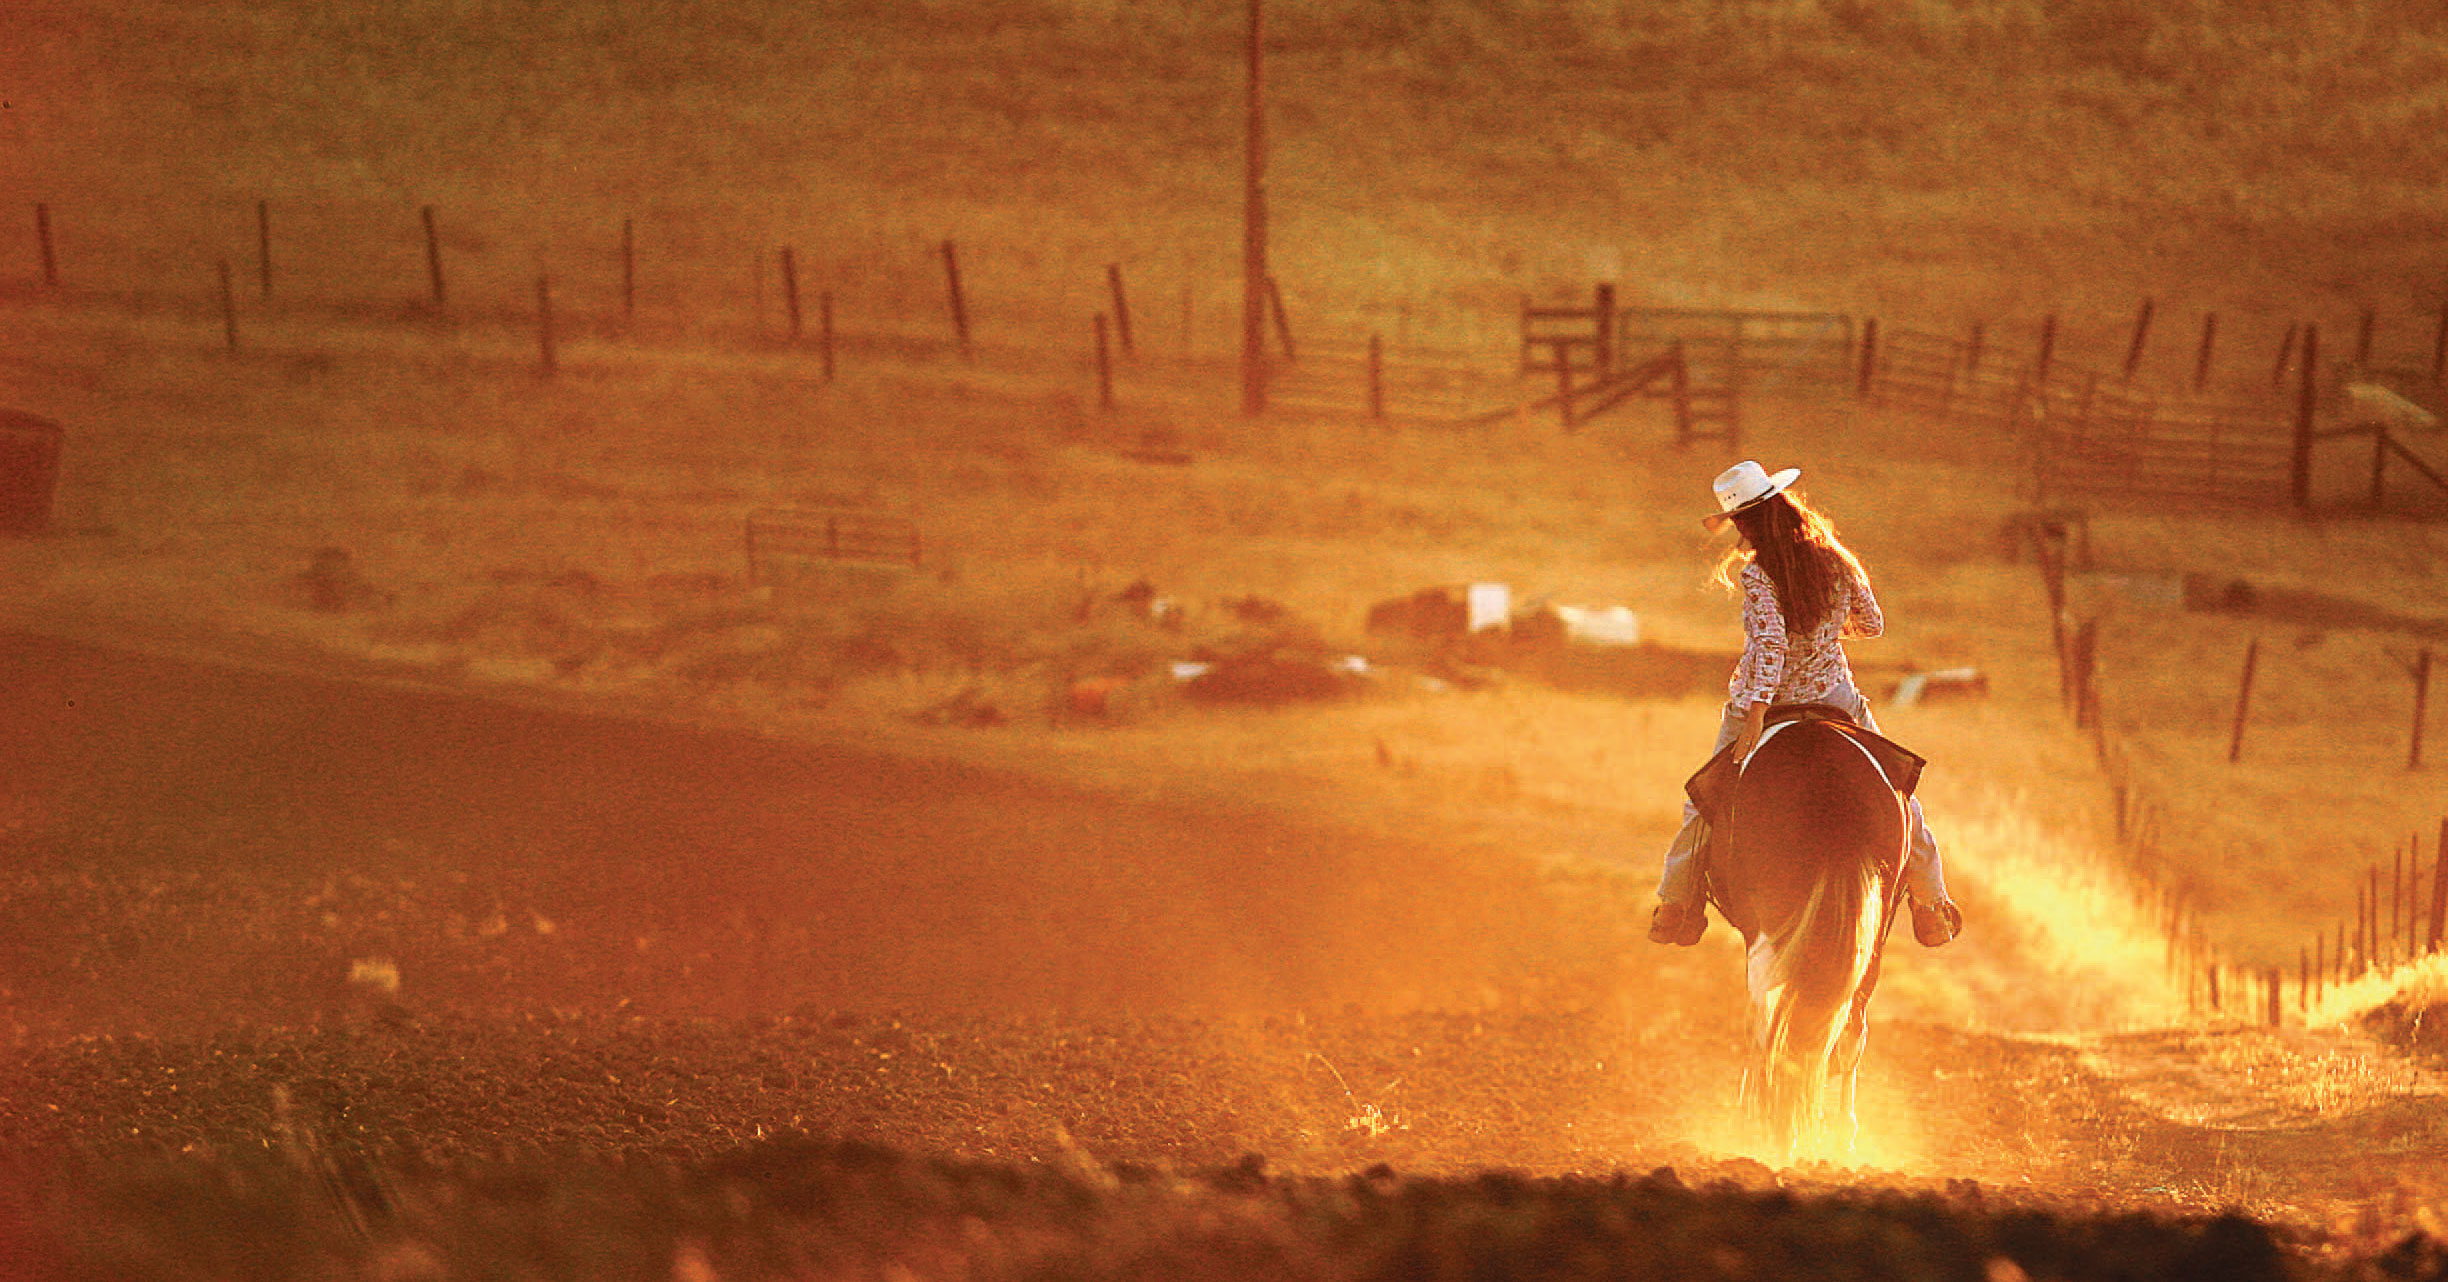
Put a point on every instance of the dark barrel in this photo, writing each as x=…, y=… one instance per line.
x=29, y=471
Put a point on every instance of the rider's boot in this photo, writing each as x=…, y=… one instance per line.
x=1933, y=924
x=1678, y=924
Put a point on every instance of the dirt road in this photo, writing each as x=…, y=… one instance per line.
x=194, y=846
x=420, y=924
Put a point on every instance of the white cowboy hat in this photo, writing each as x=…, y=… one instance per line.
x=1743, y=485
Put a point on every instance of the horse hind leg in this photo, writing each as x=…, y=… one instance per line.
x=1845, y=1066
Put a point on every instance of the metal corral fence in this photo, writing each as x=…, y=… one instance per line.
x=2104, y=441
x=2086, y=435
x=1766, y=351
x=1772, y=352
x=1392, y=382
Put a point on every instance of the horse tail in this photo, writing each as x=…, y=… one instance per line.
x=1807, y=870
x=1804, y=976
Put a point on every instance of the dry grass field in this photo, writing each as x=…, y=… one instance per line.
x=578, y=539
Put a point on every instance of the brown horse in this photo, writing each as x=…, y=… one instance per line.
x=1807, y=869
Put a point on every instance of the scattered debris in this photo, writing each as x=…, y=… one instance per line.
x=1428, y=614
x=1491, y=605
x=1094, y=696
x=1443, y=613
x=1946, y=683
x=1257, y=609
x=1600, y=625
x=1273, y=676
x=330, y=584
x=1557, y=625
x=970, y=707
x=1141, y=599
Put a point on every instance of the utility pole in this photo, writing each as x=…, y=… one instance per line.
x=1253, y=228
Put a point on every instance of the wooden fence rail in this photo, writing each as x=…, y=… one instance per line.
x=782, y=543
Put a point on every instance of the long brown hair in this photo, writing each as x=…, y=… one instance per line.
x=1798, y=549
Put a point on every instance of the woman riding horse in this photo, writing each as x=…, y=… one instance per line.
x=1803, y=594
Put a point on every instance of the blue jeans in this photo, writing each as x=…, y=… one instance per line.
x=1924, y=871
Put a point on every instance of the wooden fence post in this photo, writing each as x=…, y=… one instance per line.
x=2371, y=908
x=2306, y=402
x=2439, y=348
x=824, y=330
x=1255, y=278
x=42, y=237
x=2363, y=340
x=1869, y=360
x=2379, y=471
x=2052, y=574
x=1602, y=307
x=629, y=271
x=1121, y=309
x=433, y=255
x=1104, y=367
x=2083, y=663
x=2382, y=945
x=2048, y=348
x=2397, y=897
x=2439, y=889
x=2414, y=896
x=229, y=309
x=960, y=304
x=263, y=245
x=1376, y=379
x=2215, y=1004
x=2362, y=945
x=2277, y=997
x=2141, y=335
x=2422, y=696
x=1283, y=323
x=546, y=353
x=1564, y=385
x=1679, y=378
x=2243, y=706
x=2201, y=359
x=790, y=291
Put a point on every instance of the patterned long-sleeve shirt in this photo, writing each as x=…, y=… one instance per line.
x=1780, y=668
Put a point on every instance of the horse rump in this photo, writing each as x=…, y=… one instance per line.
x=1814, y=843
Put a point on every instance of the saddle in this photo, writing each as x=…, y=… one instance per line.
x=1712, y=789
